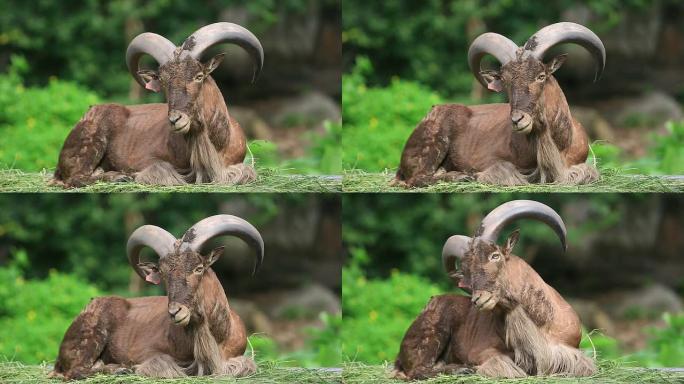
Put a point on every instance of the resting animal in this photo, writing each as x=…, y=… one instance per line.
x=513, y=326
x=532, y=139
x=190, y=139
x=191, y=331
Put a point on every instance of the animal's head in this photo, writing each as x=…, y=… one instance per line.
x=480, y=265
x=182, y=266
x=523, y=74
x=181, y=73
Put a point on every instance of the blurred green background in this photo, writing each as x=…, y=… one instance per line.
x=402, y=57
x=57, y=58
x=621, y=273
x=59, y=251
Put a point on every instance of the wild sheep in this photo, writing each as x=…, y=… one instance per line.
x=190, y=139
x=532, y=139
x=513, y=326
x=191, y=331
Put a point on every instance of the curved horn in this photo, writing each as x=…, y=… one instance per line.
x=218, y=225
x=454, y=249
x=217, y=33
x=566, y=32
x=151, y=236
x=501, y=47
x=508, y=212
x=157, y=46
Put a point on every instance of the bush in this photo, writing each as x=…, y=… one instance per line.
x=34, y=314
x=378, y=312
x=377, y=121
x=35, y=121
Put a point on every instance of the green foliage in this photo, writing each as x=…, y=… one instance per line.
x=35, y=121
x=665, y=156
x=34, y=314
x=378, y=312
x=665, y=345
x=427, y=41
x=387, y=225
x=85, y=41
x=377, y=121
x=323, y=157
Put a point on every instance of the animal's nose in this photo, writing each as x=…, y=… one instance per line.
x=174, y=116
x=174, y=308
x=516, y=116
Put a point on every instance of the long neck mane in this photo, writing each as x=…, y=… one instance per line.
x=553, y=124
x=209, y=134
x=212, y=328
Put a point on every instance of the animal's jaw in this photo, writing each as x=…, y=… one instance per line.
x=183, y=321
x=523, y=129
x=484, y=301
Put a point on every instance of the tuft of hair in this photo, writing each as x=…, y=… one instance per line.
x=160, y=173
x=207, y=166
x=500, y=366
x=536, y=355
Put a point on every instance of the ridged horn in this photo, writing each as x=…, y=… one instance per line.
x=565, y=32
x=499, y=46
x=219, y=225
x=161, y=242
x=223, y=32
x=454, y=249
x=508, y=212
x=157, y=46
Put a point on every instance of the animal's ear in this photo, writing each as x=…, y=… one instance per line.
x=510, y=242
x=556, y=63
x=493, y=80
x=151, y=272
x=151, y=79
x=213, y=63
x=213, y=256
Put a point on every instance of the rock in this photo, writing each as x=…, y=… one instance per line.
x=592, y=316
x=306, y=301
x=254, y=318
x=597, y=127
x=649, y=110
x=254, y=126
x=650, y=302
x=309, y=109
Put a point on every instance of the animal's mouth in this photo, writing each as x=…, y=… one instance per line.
x=523, y=127
x=182, y=321
x=177, y=128
x=484, y=301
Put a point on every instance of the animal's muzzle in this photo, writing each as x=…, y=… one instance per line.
x=484, y=301
x=180, y=314
x=522, y=121
x=180, y=121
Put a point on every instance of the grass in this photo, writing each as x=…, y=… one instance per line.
x=11, y=372
x=609, y=372
x=612, y=180
x=268, y=180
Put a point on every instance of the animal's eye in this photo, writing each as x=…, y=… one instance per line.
x=541, y=77
x=495, y=256
x=199, y=77
x=199, y=269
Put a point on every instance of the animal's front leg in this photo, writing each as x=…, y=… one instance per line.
x=581, y=174
x=501, y=173
x=239, y=366
x=160, y=173
x=500, y=365
x=236, y=174
x=426, y=340
x=162, y=366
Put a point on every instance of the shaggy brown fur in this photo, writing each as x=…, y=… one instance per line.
x=117, y=335
x=515, y=324
x=114, y=142
x=487, y=143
